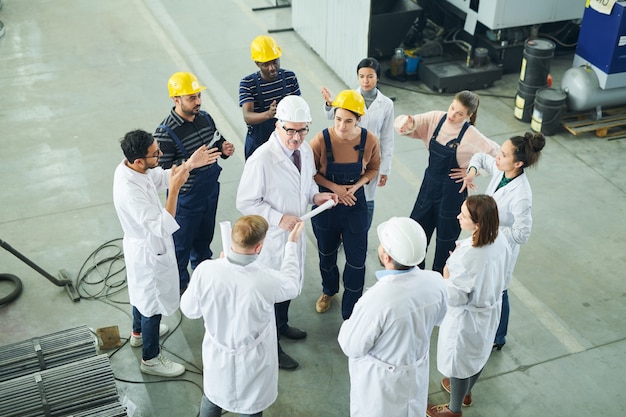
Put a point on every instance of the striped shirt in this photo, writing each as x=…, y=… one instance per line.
x=269, y=90
x=201, y=131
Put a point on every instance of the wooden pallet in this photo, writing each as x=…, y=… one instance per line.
x=612, y=124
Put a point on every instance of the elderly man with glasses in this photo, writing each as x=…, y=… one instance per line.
x=277, y=183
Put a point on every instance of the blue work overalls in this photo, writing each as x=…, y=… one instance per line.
x=259, y=134
x=439, y=201
x=195, y=214
x=343, y=223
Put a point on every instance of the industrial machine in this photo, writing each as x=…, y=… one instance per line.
x=389, y=22
x=598, y=75
x=502, y=14
x=448, y=76
x=499, y=27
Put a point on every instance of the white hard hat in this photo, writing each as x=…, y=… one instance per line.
x=403, y=239
x=293, y=109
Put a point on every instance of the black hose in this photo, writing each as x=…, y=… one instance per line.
x=17, y=283
x=30, y=263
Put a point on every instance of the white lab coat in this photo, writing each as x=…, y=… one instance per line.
x=378, y=119
x=240, y=344
x=151, y=269
x=271, y=186
x=475, y=290
x=514, y=206
x=387, y=339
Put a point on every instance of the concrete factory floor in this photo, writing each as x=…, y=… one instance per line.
x=76, y=75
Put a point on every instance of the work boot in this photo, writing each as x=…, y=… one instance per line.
x=285, y=361
x=441, y=410
x=467, y=400
x=322, y=305
x=292, y=333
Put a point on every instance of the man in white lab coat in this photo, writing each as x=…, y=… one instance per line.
x=387, y=337
x=277, y=183
x=151, y=269
x=235, y=295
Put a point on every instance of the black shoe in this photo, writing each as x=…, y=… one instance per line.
x=497, y=346
x=286, y=362
x=292, y=333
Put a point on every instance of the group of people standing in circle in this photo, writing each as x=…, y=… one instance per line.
x=283, y=176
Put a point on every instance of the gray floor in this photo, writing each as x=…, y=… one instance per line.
x=76, y=75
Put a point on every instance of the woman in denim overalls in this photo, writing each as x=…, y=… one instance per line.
x=451, y=140
x=346, y=157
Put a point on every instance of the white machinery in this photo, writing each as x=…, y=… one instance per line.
x=509, y=22
x=501, y=14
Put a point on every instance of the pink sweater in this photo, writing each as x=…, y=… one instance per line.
x=472, y=142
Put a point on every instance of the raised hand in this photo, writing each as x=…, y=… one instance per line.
x=328, y=98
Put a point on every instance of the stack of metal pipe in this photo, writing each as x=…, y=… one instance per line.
x=57, y=375
x=62, y=391
x=46, y=352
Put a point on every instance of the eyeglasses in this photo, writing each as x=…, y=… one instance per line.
x=292, y=132
x=156, y=155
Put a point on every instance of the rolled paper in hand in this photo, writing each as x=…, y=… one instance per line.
x=328, y=204
x=225, y=229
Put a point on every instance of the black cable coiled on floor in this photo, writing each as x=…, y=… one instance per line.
x=17, y=290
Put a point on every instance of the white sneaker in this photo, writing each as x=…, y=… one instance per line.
x=137, y=340
x=161, y=366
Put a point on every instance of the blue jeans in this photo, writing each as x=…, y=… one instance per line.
x=149, y=329
x=370, y=213
x=504, y=320
x=208, y=409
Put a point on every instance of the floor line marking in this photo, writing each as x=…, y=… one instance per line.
x=546, y=316
x=185, y=57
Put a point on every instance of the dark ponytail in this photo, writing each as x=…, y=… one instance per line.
x=528, y=148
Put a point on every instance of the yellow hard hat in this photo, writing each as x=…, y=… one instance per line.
x=350, y=100
x=183, y=84
x=264, y=49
